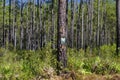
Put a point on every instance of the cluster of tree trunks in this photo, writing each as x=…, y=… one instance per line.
x=62, y=23
x=31, y=26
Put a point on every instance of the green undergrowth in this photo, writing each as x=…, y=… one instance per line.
x=28, y=64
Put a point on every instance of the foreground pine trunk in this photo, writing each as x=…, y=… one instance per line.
x=118, y=25
x=61, y=40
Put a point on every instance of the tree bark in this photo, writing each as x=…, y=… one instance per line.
x=53, y=26
x=118, y=26
x=21, y=26
x=14, y=25
x=78, y=27
x=82, y=37
x=72, y=24
x=87, y=27
x=61, y=40
x=9, y=34
x=98, y=26
x=3, y=41
x=37, y=44
x=44, y=39
x=27, y=28
x=40, y=9
x=91, y=25
x=67, y=32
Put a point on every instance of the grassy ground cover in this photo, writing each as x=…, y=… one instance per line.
x=41, y=64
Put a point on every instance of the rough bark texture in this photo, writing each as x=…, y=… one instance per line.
x=62, y=58
x=3, y=23
x=118, y=24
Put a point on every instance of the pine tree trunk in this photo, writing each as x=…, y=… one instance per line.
x=34, y=25
x=118, y=25
x=98, y=26
x=91, y=25
x=53, y=26
x=78, y=27
x=3, y=23
x=37, y=44
x=27, y=28
x=67, y=22
x=9, y=34
x=104, y=24
x=30, y=25
x=72, y=24
x=61, y=40
x=82, y=37
x=87, y=27
x=40, y=9
x=44, y=26
x=14, y=25
x=21, y=26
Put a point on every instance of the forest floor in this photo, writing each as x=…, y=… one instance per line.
x=41, y=65
x=77, y=76
x=85, y=77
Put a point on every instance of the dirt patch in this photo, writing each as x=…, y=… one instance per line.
x=116, y=77
x=75, y=76
x=89, y=77
x=98, y=77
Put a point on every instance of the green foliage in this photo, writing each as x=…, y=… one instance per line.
x=87, y=63
x=31, y=64
x=26, y=64
x=74, y=59
x=108, y=50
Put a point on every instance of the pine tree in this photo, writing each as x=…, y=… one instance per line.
x=118, y=25
x=21, y=26
x=61, y=40
x=3, y=41
x=9, y=22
